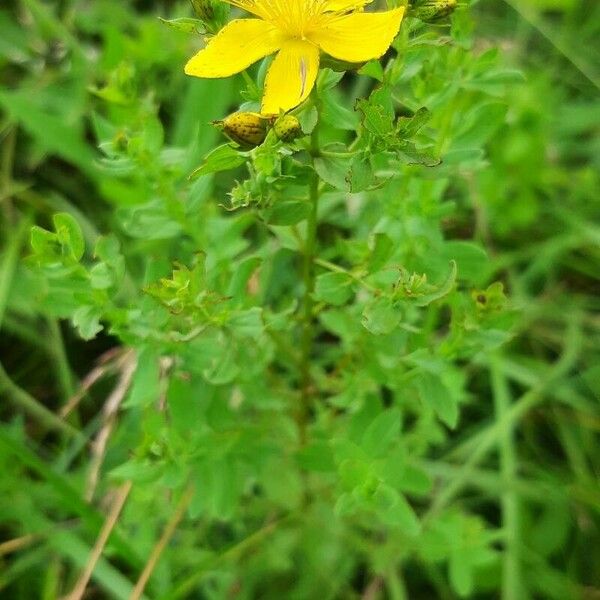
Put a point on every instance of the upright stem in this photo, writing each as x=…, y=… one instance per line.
x=6, y=169
x=8, y=262
x=21, y=399
x=308, y=272
x=63, y=370
x=511, y=568
x=395, y=584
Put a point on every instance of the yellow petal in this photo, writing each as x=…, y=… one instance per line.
x=252, y=6
x=358, y=37
x=291, y=77
x=238, y=45
x=344, y=5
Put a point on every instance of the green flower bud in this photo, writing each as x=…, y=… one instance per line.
x=493, y=299
x=433, y=10
x=247, y=129
x=120, y=141
x=287, y=128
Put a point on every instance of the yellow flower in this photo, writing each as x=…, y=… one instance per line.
x=297, y=30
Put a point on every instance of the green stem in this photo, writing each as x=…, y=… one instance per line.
x=511, y=575
x=395, y=584
x=337, y=269
x=21, y=327
x=6, y=167
x=238, y=549
x=547, y=32
x=308, y=275
x=30, y=405
x=65, y=379
x=484, y=441
x=8, y=264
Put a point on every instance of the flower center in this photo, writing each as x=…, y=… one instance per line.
x=295, y=17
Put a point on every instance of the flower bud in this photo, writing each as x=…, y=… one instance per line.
x=433, y=10
x=247, y=129
x=491, y=300
x=287, y=128
x=120, y=142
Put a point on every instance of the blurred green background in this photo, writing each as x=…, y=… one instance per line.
x=535, y=207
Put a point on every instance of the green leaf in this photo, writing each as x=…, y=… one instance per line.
x=142, y=472
x=223, y=367
x=377, y=112
x=185, y=408
x=241, y=276
x=44, y=244
x=54, y=132
x=382, y=250
x=442, y=290
x=372, y=69
x=471, y=258
x=461, y=576
x=415, y=480
x=153, y=135
x=479, y=124
x=309, y=119
x=328, y=79
x=360, y=176
x=151, y=221
x=334, y=170
x=317, y=457
x=337, y=115
x=247, y=323
x=346, y=505
x=435, y=393
x=185, y=24
x=87, y=321
x=101, y=277
x=354, y=473
x=108, y=249
x=288, y=212
x=65, y=245
x=222, y=488
x=551, y=529
x=286, y=487
x=380, y=316
x=395, y=510
x=112, y=270
x=333, y=288
x=408, y=127
x=382, y=432
x=222, y=158
x=145, y=387
x=411, y=154
x=69, y=234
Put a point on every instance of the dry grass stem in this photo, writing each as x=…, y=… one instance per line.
x=127, y=365
x=167, y=534
x=105, y=364
x=373, y=590
x=17, y=544
x=111, y=520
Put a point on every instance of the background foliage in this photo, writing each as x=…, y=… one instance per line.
x=150, y=347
